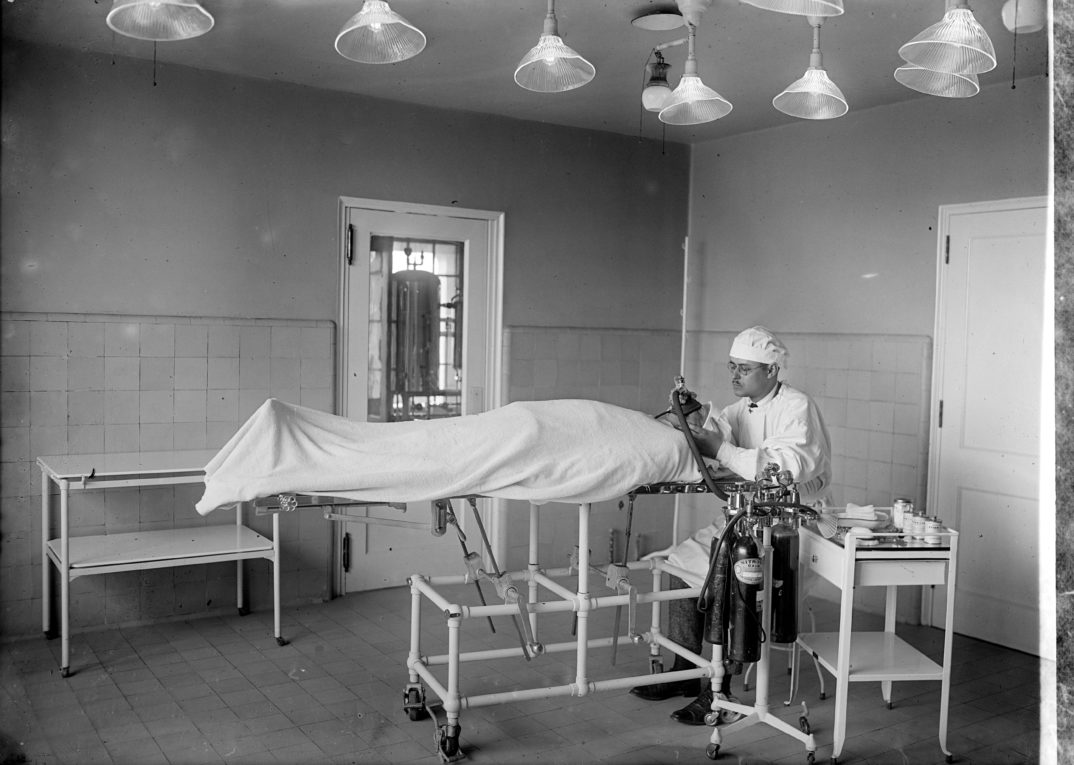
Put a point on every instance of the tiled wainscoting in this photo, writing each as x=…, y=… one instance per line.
x=84, y=384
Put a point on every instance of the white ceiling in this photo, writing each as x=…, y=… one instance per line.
x=746, y=54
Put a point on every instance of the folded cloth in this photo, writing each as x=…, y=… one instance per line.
x=543, y=451
x=864, y=512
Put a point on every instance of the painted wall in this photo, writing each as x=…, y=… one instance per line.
x=210, y=195
x=831, y=226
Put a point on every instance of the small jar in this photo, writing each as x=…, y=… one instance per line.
x=917, y=526
x=901, y=509
x=933, y=527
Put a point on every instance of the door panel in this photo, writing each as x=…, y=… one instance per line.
x=383, y=556
x=985, y=466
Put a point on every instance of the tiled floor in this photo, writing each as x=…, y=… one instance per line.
x=220, y=690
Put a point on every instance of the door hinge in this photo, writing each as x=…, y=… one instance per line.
x=346, y=553
x=350, y=244
x=940, y=423
x=947, y=249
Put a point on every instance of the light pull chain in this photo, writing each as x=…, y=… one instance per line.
x=154, y=63
x=1014, y=50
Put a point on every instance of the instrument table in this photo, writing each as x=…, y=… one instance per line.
x=890, y=559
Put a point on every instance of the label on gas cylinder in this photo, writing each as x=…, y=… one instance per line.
x=749, y=571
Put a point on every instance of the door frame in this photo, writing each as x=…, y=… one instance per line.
x=494, y=383
x=1046, y=525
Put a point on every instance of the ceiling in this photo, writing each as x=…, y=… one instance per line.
x=746, y=54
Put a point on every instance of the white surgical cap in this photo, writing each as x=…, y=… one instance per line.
x=760, y=345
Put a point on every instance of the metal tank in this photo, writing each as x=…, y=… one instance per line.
x=414, y=318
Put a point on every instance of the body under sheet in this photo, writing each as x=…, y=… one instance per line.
x=569, y=450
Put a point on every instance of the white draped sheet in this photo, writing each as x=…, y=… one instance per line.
x=567, y=450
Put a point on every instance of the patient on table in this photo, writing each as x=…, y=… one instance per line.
x=567, y=450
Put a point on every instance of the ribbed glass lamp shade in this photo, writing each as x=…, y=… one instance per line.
x=159, y=20
x=938, y=83
x=956, y=44
x=692, y=103
x=812, y=97
x=552, y=66
x=800, y=7
x=379, y=35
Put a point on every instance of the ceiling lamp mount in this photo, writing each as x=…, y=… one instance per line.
x=813, y=96
x=379, y=35
x=822, y=8
x=552, y=66
x=159, y=20
x=660, y=20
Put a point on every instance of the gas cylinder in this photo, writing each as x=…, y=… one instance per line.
x=744, y=627
x=716, y=600
x=784, y=583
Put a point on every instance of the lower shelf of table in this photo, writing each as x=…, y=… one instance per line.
x=135, y=550
x=874, y=656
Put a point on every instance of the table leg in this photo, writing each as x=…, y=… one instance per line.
x=46, y=579
x=846, y=626
x=891, y=600
x=65, y=582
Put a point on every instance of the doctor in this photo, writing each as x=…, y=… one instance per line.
x=770, y=422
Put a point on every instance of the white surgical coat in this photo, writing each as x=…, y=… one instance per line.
x=786, y=428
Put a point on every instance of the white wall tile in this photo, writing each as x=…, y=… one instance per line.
x=121, y=339
x=85, y=339
x=317, y=342
x=15, y=408
x=254, y=371
x=156, y=406
x=223, y=341
x=48, y=373
x=153, y=437
x=254, y=342
x=156, y=340
x=85, y=439
x=191, y=373
x=190, y=406
x=286, y=342
x=858, y=384
x=14, y=444
x=191, y=340
x=85, y=407
x=882, y=386
x=121, y=407
x=48, y=338
x=222, y=405
x=121, y=437
x=48, y=439
x=223, y=372
x=48, y=408
x=85, y=373
x=14, y=338
x=121, y=373
x=156, y=374
x=15, y=373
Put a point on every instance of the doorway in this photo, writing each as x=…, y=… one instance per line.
x=985, y=436
x=419, y=338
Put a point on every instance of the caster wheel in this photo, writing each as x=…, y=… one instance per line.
x=712, y=751
x=890, y=705
x=448, y=742
x=823, y=696
x=243, y=611
x=712, y=719
x=949, y=758
x=415, y=706
x=834, y=761
x=282, y=641
x=811, y=758
x=803, y=725
x=65, y=671
x=51, y=634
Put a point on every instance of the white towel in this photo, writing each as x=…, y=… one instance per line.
x=542, y=451
x=862, y=512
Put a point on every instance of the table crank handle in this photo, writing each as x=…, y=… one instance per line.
x=524, y=615
x=450, y=519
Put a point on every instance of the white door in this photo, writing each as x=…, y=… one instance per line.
x=382, y=555
x=984, y=471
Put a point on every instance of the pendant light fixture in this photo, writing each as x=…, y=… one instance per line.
x=379, y=35
x=159, y=20
x=957, y=44
x=800, y=7
x=1024, y=16
x=657, y=90
x=813, y=96
x=692, y=102
x=552, y=66
x=933, y=83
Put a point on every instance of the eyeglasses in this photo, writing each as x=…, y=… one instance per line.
x=744, y=370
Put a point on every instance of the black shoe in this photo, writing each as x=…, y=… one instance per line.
x=661, y=691
x=694, y=712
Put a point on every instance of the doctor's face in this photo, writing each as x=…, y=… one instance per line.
x=750, y=379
